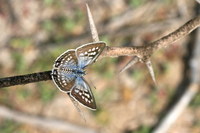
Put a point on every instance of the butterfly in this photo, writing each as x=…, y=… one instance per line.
x=69, y=69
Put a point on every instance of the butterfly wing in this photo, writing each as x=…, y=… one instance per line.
x=83, y=94
x=88, y=53
x=67, y=59
x=63, y=80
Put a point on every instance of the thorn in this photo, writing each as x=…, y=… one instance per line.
x=77, y=107
x=93, y=29
x=150, y=67
x=129, y=64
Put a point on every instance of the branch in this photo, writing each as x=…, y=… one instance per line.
x=25, y=79
x=188, y=95
x=139, y=51
x=46, y=123
x=148, y=49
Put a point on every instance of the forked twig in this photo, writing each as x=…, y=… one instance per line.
x=142, y=52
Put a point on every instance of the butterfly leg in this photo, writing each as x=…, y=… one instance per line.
x=76, y=104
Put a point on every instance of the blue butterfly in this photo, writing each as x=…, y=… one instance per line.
x=68, y=71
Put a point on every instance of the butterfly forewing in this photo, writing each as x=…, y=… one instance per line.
x=67, y=59
x=88, y=53
x=83, y=94
x=61, y=75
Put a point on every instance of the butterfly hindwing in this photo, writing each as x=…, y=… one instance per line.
x=83, y=94
x=64, y=80
x=88, y=53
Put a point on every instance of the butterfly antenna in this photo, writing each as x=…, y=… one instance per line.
x=81, y=113
x=93, y=29
x=90, y=81
x=92, y=84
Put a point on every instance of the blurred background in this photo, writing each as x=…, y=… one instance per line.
x=35, y=32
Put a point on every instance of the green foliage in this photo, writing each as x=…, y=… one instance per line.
x=168, y=1
x=105, y=68
x=69, y=24
x=196, y=101
x=153, y=98
x=20, y=42
x=46, y=92
x=62, y=26
x=48, y=25
x=43, y=63
x=138, y=75
x=48, y=2
x=23, y=93
x=102, y=116
x=4, y=97
x=52, y=3
x=196, y=123
x=57, y=51
x=19, y=62
x=106, y=39
x=143, y=129
x=106, y=94
x=9, y=126
x=79, y=16
x=136, y=3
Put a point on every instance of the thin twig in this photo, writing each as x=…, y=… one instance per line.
x=25, y=79
x=46, y=123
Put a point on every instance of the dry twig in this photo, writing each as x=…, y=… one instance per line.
x=45, y=123
x=142, y=52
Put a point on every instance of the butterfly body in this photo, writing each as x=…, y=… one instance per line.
x=69, y=69
x=77, y=72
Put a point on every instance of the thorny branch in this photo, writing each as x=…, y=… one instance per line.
x=191, y=90
x=142, y=52
x=149, y=49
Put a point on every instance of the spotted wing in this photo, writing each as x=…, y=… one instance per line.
x=67, y=59
x=63, y=80
x=82, y=93
x=88, y=53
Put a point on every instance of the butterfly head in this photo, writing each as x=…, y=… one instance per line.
x=79, y=72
